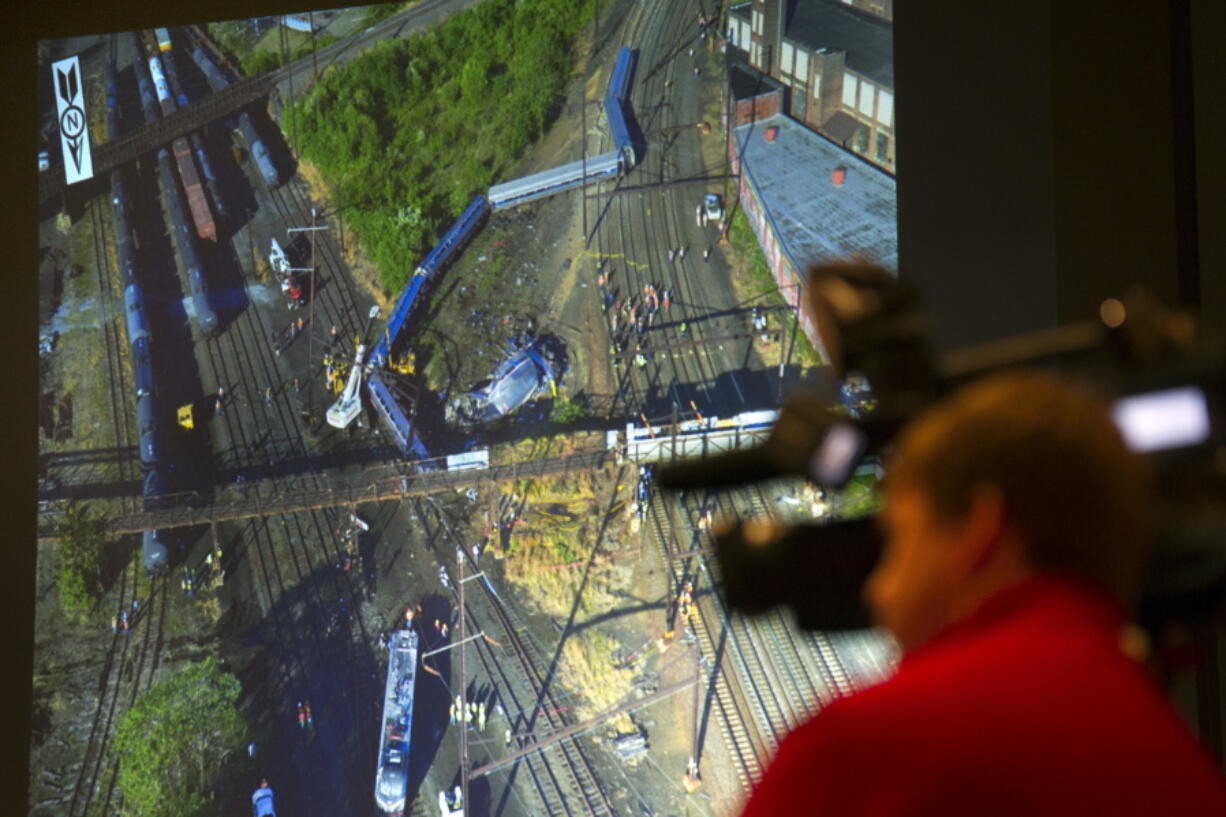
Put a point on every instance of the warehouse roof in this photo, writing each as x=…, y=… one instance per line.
x=815, y=219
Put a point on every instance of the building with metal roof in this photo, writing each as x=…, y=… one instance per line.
x=809, y=201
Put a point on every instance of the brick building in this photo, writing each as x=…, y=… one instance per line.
x=810, y=202
x=836, y=60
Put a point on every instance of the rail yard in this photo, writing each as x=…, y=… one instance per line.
x=571, y=652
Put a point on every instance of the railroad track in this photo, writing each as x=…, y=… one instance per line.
x=120, y=392
x=553, y=798
x=765, y=675
x=643, y=227
x=807, y=656
x=310, y=619
x=748, y=733
x=578, y=790
x=124, y=669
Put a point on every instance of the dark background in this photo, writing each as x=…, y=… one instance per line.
x=1049, y=153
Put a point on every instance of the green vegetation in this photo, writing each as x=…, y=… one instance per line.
x=235, y=37
x=759, y=284
x=587, y=666
x=176, y=739
x=860, y=497
x=380, y=12
x=262, y=60
x=550, y=559
x=260, y=53
x=745, y=244
x=79, y=573
x=407, y=133
x=566, y=411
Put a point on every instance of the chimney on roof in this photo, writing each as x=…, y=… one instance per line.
x=771, y=132
x=838, y=176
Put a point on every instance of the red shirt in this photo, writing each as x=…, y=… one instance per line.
x=1026, y=708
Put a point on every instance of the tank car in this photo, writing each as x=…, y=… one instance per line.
x=153, y=551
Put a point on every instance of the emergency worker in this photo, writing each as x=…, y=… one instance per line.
x=1015, y=525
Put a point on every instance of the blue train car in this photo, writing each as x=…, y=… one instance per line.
x=154, y=489
x=554, y=180
x=153, y=550
x=206, y=318
x=123, y=236
x=259, y=152
x=217, y=81
x=212, y=73
x=395, y=322
x=622, y=143
x=134, y=312
x=617, y=107
x=148, y=101
x=456, y=237
x=619, y=82
x=394, y=418
x=146, y=413
x=150, y=449
x=142, y=367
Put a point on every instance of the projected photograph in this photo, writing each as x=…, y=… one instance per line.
x=364, y=334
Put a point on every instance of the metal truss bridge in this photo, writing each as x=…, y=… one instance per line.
x=292, y=494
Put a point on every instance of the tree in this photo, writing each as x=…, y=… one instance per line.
x=174, y=740
x=78, y=575
x=430, y=120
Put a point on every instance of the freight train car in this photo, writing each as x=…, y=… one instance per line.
x=153, y=551
x=194, y=139
x=206, y=318
x=153, y=548
x=185, y=238
x=217, y=80
x=196, y=202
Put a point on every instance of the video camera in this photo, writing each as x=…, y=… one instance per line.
x=1168, y=376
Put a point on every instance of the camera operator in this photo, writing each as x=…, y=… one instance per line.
x=1015, y=524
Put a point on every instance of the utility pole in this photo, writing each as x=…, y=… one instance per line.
x=310, y=295
x=692, y=780
x=314, y=58
x=583, y=130
x=459, y=558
